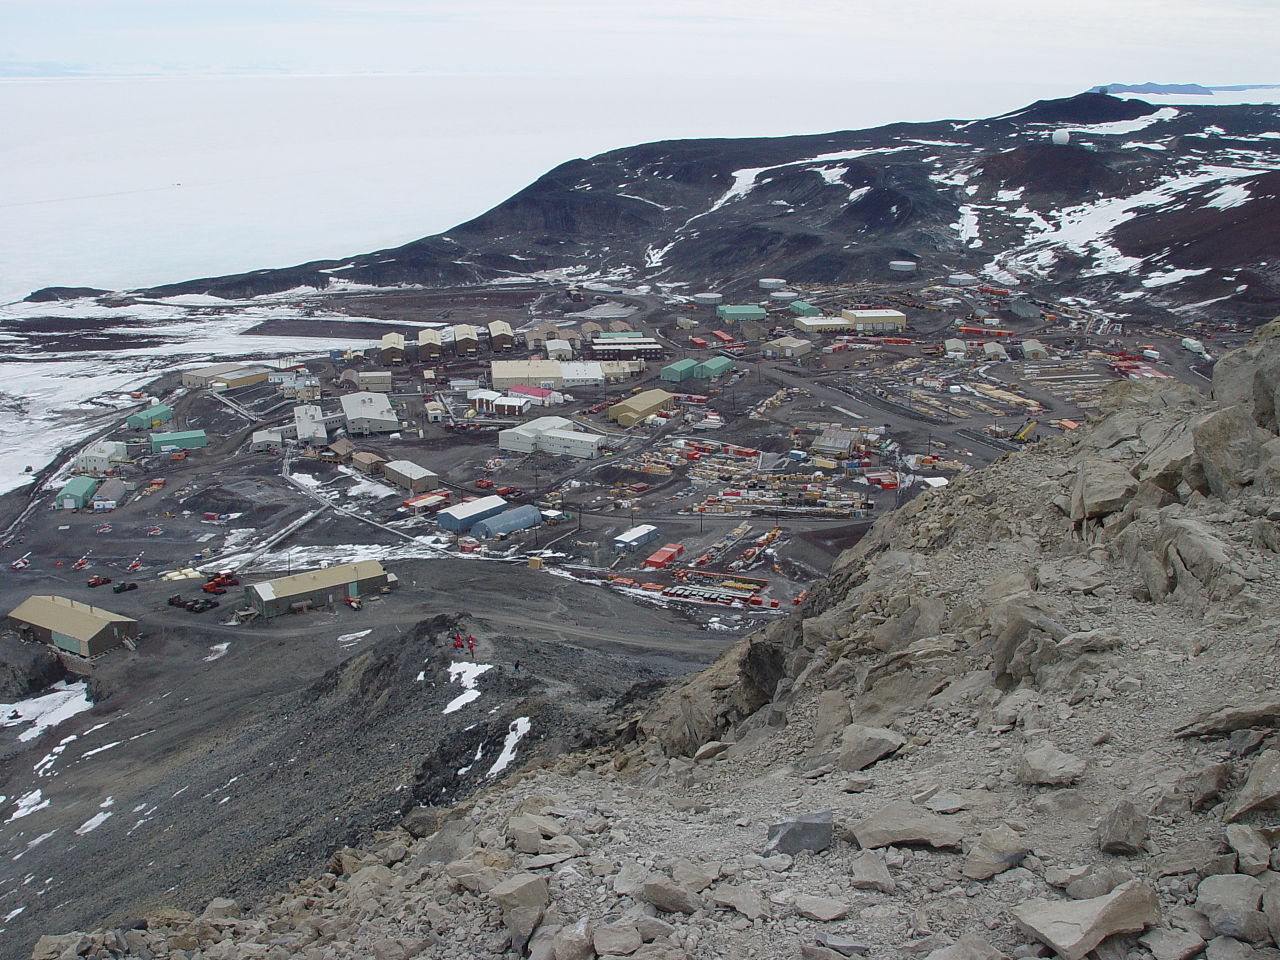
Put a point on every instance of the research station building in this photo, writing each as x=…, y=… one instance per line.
x=72, y=626
x=271, y=598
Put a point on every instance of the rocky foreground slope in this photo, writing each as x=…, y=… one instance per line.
x=1032, y=712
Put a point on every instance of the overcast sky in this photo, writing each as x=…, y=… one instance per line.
x=1076, y=44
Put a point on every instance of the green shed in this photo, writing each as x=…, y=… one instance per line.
x=151, y=417
x=740, y=311
x=680, y=370
x=619, y=335
x=76, y=493
x=802, y=309
x=182, y=440
x=713, y=367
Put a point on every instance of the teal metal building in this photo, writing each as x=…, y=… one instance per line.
x=740, y=311
x=182, y=440
x=680, y=370
x=713, y=367
x=76, y=493
x=150, y=418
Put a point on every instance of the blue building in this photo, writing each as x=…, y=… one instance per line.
x=519, y=518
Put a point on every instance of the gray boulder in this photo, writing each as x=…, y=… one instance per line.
x=574, y=941
x=522, y=898
x=1102, y=487
x=812, y=832
x=995, y=851
x=861, y=746
x=1253, y=853
x=868, y=871
x=669, y=897
x=1074, y=927
x=1123, y=830
x=969, y=947
x=905, y=823
x=1261, y=791
x=1170, y=943
x=822, y=909
x=1231, y=904
x=1046, y=765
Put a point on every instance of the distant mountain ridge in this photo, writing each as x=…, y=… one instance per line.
x=1144, y=210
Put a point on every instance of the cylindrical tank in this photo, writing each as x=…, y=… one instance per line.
x=783, y=296
x=962, y=280
x=708, y=299
x=1061, y=137
x=902, y=266
x=772, y=283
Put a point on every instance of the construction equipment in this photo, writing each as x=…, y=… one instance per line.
x=21, y=563
x=1022, y=435
x=82, y=562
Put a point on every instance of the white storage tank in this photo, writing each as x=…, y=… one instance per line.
x=772, y=283
x=1061, y=137
x=708, y=299
x=962, y=280
x=902, y=266
x=784, y=296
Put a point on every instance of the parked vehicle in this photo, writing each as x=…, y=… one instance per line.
x=99, y=581
x=213, y=587
x=124, y=587
x=177, y=600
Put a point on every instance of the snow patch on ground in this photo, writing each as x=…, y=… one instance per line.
x=519, y=727
x=93, y=823
x=466, y=674
x=1173, y=276
x=62, y=702
x=27, y=804
x=217, y=650
x=967, y=226
x=1228, y=196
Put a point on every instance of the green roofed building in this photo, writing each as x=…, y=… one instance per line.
x=619, y=335
x=802, y=309
x=713, y=367
x=76, y=493
x=182, y=440
x=740, y=311
x=150, y=418
x=680, y=370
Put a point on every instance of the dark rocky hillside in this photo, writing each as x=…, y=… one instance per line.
x=1145, y=209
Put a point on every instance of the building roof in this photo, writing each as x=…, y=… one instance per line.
x=540, y=369
x=716, y=365
x=464, y=331
x=540, y=393
x=558, y=344
x=302, y=583
x=365, y=457
x=214, y=369
x=542, y=424
x=407, y=468
x=500, y=328
x=365, y=404
x=681, y=365
x=648, y=400
x=77, y=620
x=636, y=533
x=461, y=511
x=876, y=313
x=429, y=336
x=112, y=489
x=343, y=447
x=79, y=486
x=509, y=521
x=788, y=342
x=176, y=435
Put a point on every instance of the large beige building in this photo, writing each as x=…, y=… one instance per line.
x=71, y=625
x=631, y=411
